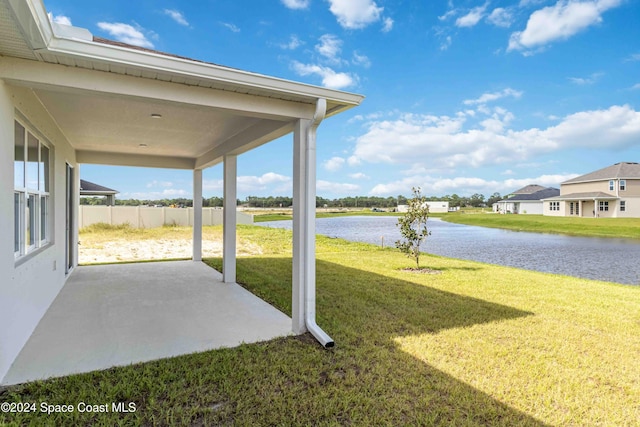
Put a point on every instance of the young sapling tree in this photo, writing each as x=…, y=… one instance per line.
x=413, y=226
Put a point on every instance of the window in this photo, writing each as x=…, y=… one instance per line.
x=623, y=184
x=554, y=206
x=603, y=206
x=623, y=206
x=31, y=191
x=571, y=208
x=611, y=185
x=577, y=208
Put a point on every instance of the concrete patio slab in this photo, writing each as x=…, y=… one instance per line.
x=113, y=315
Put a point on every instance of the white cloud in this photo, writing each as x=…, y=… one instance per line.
x=488, y=97
x=500, y=17
x=633, y=57
x=330, y=47
x=448, y=142
x=335, y=187
x=296, y=4
x=293, y=43
x=559, y=22
x=177, y=16
x=464, y=186
x=232, y=27
x=330, y=78
x=334, y=164
x=586, y=80
x=358, y=175
x=156, y=183
x=446, y=43
x=170, y=193
x=635, y=86
x=271, y=183
x=362, y=60
x=472, y=18
x=59, y=19
x=126, y=33
x=387, y=25
x=355, y=14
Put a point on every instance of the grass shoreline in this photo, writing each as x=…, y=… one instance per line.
x=476, y=345
x=625, y=228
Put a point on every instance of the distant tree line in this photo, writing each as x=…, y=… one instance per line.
x=475, y=200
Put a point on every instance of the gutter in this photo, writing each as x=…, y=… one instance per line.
x=310, y=283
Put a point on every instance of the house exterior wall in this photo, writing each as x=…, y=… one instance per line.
x=547, y=209
x=633, y=189
x=585, y=187
x=30, y=284
x=530, y=208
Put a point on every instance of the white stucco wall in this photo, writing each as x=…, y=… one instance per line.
x=533, y=207
x=28, y=286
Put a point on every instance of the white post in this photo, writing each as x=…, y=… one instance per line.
x=229, y=219
x=299, y=229
x=197, y=215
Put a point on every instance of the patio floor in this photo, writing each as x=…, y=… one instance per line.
x=113, y=315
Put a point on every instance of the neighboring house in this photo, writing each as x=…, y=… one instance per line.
x=90, y=189
x=611, y=192
x=434, y=207
x=527, y=200
x=67, y=98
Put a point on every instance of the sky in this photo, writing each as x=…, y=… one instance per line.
x=462, y=97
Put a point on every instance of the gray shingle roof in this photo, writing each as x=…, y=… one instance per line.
x=619, y=170
x=529, y=189
x=538, y=195
x=89, y=188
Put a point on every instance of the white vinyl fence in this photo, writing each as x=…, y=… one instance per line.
x=150, y=217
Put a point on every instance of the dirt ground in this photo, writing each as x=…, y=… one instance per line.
x=124, y=250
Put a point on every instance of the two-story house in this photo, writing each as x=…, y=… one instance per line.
x=611, y=192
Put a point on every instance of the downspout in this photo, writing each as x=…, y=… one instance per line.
x=310, y=225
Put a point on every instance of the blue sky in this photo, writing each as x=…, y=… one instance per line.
x=461, y=97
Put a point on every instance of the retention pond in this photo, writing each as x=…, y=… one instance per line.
x=613, y=260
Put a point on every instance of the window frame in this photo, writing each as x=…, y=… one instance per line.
x=623, y=205
x=612, y=185
x=603, y=206
x=622, y=184
x=32, y=196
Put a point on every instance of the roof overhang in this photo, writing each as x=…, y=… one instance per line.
x=118, y=104
x=582, y=196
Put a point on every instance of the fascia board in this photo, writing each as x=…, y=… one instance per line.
x=177, y=66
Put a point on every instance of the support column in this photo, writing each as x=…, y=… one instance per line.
x=229, y=219
x=197, y=215
x=299, y=226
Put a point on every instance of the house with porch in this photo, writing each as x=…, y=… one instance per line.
x=527, y=200
x=68, y=98
x=610, y=192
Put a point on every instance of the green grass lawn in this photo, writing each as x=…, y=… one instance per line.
x=595, y=227
x=474, y=345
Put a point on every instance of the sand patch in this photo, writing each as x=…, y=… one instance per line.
x=140, y=250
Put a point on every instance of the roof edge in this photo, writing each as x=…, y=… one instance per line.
x=44, y=37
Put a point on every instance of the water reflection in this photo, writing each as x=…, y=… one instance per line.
x=614, y=260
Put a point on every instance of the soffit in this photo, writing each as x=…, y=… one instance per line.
x=121, y=124
x=12, y=42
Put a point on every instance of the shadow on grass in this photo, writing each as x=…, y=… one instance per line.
x=363, y=312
